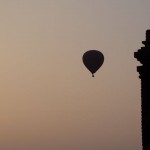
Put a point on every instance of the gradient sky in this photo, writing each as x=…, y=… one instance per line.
x=48, y=99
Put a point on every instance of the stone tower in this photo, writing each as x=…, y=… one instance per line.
x=143, y=55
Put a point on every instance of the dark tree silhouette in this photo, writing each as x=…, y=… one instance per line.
x=143, y=55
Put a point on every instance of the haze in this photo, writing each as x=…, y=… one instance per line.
x=48, y=99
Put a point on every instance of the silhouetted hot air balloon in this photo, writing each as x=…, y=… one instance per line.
x=93, y=60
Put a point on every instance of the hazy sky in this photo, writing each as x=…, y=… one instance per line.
x=48, y=99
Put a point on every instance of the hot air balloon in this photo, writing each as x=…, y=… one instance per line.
x=93, y=60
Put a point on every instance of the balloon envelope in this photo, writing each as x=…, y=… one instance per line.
x=93, y=60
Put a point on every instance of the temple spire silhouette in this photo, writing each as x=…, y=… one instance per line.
x=143, y=55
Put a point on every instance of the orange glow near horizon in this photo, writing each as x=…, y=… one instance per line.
x=48, y=99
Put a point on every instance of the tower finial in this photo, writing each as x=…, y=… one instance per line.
x=147, y=41
x=148, y=35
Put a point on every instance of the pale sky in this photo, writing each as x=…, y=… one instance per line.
x=48, y=99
